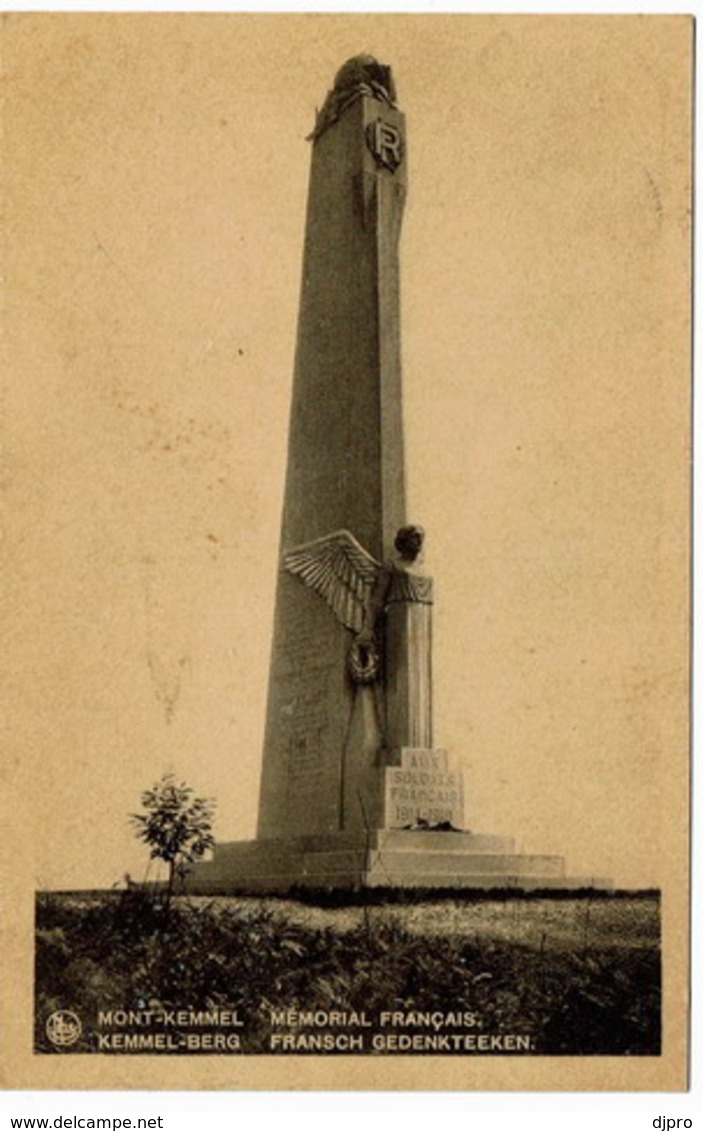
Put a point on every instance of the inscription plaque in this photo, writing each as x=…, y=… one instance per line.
x=423, y=789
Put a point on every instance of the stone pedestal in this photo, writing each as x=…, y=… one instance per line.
x=389, y=858
x=407, y=833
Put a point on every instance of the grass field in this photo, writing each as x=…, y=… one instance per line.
x=570, y=976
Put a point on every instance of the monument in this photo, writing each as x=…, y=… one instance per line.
x=353, y=791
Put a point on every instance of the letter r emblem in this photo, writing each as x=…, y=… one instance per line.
x=386, y=143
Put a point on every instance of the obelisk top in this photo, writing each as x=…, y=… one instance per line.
x=360, y=75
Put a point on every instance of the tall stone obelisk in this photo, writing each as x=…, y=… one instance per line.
x=345, y=456
x=353, y=793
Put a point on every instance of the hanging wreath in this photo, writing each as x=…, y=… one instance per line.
x=363, y=662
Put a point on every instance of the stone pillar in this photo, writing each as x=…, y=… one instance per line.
x=408, y=636
x=321, y=769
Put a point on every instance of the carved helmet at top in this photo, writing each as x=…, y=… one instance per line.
x=364, y=69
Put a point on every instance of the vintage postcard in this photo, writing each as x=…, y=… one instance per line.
x=346, y=453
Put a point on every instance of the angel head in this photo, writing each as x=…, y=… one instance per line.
x=408, y=542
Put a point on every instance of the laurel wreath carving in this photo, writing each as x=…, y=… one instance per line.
x=363, y=662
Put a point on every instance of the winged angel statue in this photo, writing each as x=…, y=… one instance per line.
x=388, y=608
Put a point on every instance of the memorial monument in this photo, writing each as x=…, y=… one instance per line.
x=353, y=790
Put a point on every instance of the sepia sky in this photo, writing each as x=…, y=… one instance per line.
x=155, y=194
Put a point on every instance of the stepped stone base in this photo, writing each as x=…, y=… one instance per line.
x=383, y=858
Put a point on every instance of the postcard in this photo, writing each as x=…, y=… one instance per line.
x=346, y=446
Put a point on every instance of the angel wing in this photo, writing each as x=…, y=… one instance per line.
x=340, y=570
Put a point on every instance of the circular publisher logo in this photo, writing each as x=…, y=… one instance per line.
x=63, y=1028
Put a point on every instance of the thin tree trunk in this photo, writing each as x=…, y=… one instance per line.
x=169, y=887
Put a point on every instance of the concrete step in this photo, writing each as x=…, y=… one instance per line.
x=427, y=840
x=422, y=863
x=386, y=858
x=406, y=839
